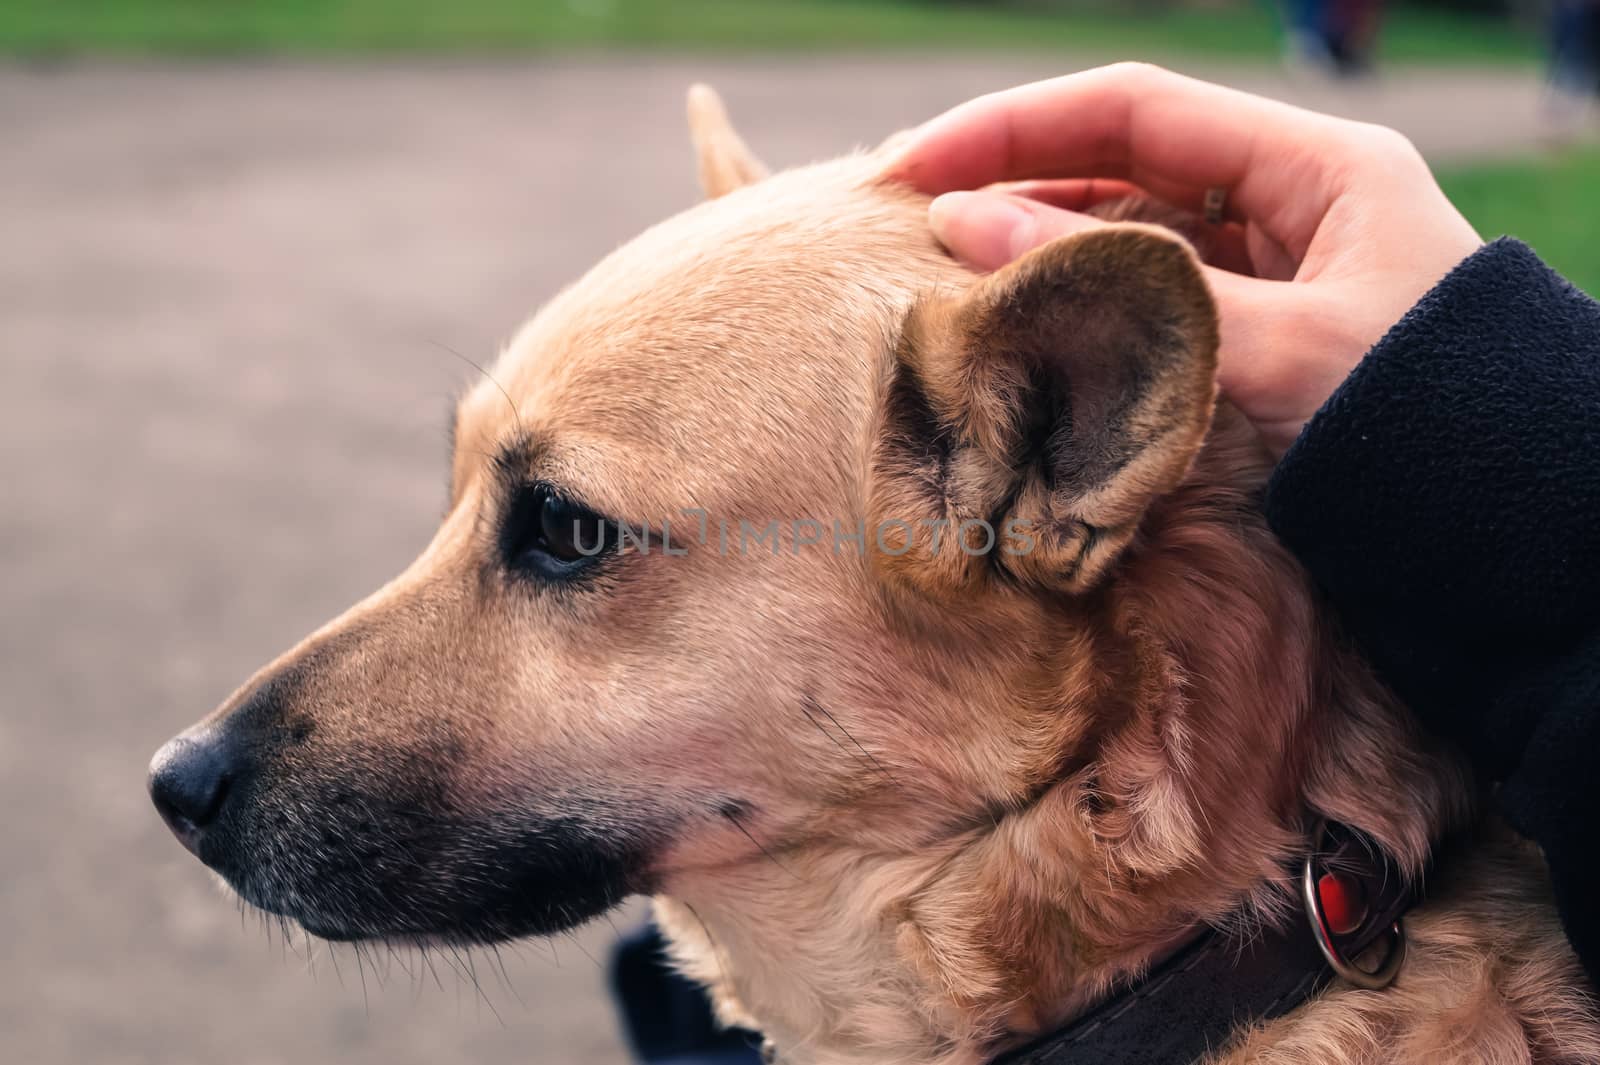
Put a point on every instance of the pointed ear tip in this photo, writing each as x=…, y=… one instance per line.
x=725, y=161
x=704, y=101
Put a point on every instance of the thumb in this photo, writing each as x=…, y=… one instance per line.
x=989, y=229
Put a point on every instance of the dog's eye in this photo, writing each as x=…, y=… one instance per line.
x=553, y=535
x=570, y=532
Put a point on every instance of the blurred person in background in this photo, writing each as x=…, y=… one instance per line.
x=1337, y=36
x=1574, y=41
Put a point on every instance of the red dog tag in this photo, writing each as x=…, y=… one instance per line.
x=1343, y=903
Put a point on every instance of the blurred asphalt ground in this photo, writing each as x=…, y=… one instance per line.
x=225, y=298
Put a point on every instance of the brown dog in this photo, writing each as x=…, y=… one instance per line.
x=913, y=637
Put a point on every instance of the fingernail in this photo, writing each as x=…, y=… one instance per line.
x=985, y=229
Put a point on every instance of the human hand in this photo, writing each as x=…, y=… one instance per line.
x=1331, y=230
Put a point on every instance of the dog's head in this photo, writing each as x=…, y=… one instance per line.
x=779, y=533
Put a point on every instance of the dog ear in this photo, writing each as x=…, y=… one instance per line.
x=725, y=163
x=1028, y=422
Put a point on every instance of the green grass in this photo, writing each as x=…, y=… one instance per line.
x=1244, y=28
x=1552, y=203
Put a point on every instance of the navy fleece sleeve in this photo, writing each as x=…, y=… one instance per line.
x=1447, y=499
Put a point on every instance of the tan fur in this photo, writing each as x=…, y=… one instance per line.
x=725, y=162
x=969, y=799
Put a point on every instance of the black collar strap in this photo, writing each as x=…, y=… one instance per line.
x=1194, y=1001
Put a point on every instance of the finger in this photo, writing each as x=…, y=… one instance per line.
x=986, y=230
x=989, y=229
x=1141, y=123
x=1258, y=320
x=1222, y=245
x=1225, y=247
x=1072, y=194
x=1118, y=183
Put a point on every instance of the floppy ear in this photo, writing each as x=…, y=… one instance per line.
x=1029, y=422
x=725, y=163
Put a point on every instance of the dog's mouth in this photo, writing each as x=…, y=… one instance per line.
x=547, y=883
x=394, y=872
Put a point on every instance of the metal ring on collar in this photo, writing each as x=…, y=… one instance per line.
x=1374, y=980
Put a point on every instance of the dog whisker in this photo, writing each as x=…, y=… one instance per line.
x=428, y=961
x=472, y=969
x=822, y=730
x=516, y=414
x=505, y=977
x=807, y=704
x=453, y=959
x=734, y=820
x=582, y=949
x=361, y=972
x=869, y=755
x=334, y=958
x=391, y=958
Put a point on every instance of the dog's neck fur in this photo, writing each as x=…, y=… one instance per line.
x=1208, y=715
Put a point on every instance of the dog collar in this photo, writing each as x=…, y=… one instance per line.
x=1353, y=896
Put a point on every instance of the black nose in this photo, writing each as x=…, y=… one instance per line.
x=189, y=780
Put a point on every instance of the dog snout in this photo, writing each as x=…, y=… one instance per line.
x=189, y=782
